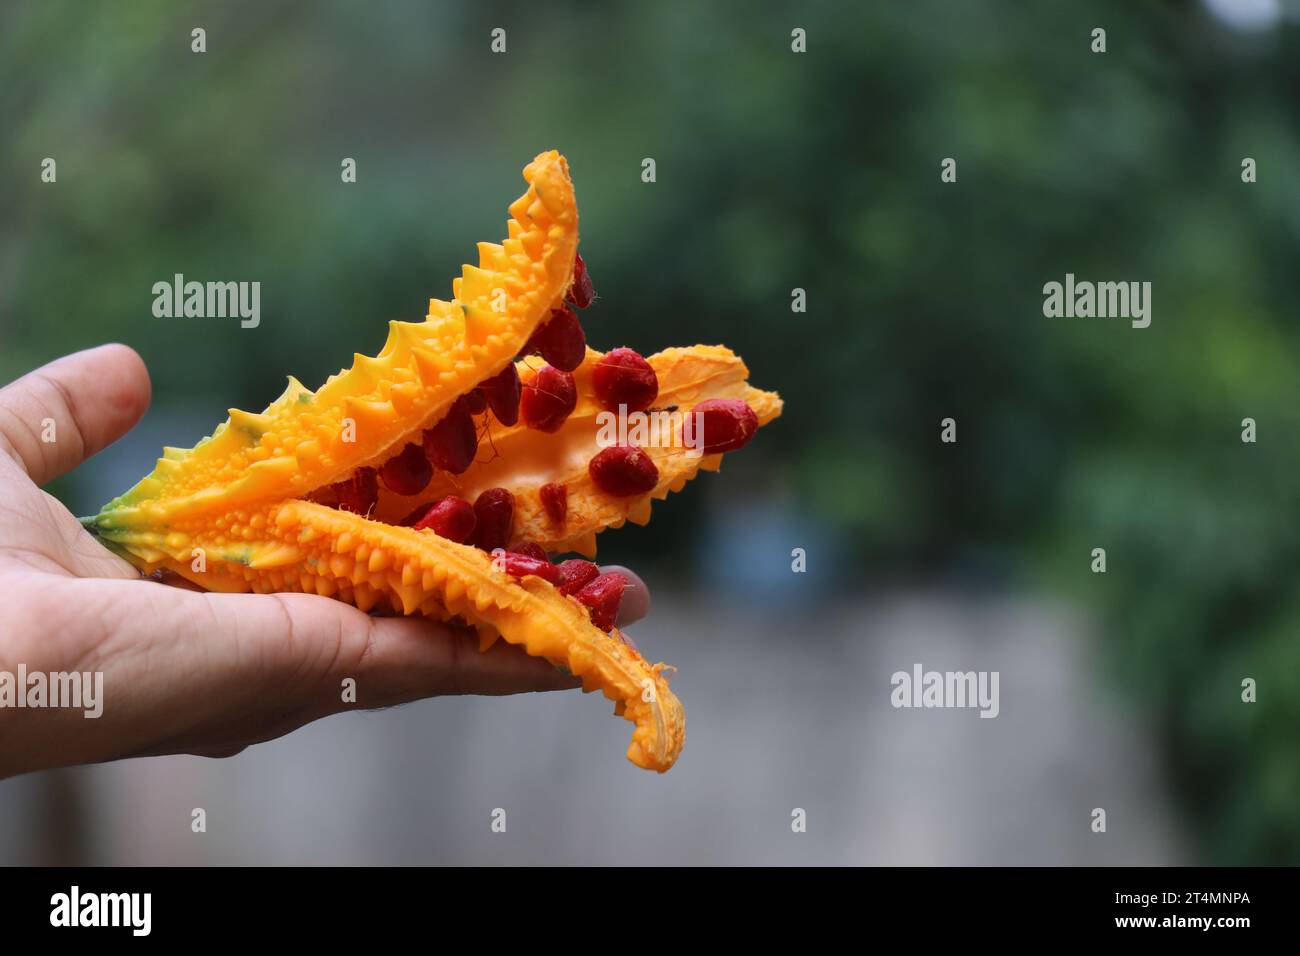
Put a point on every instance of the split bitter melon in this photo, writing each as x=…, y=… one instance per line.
x=263, y=504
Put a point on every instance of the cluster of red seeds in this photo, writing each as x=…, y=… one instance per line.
x=452, y=444
x=622, y=379
x=487, y=524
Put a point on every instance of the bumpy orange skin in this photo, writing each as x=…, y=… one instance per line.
x=230, y=514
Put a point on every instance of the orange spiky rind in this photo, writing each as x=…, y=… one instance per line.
x=459, y=581
x=303, y=546
x=305, y=440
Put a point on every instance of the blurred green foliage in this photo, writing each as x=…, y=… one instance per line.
x=775, y=171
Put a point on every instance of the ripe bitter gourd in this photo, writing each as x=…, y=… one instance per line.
x=270, y=501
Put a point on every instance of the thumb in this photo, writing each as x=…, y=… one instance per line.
x=56, y=417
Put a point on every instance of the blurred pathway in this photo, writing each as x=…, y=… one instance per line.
x=782, y=713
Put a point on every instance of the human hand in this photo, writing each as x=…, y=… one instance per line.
x=185, y=671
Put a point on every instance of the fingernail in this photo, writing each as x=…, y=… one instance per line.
x=636, y=597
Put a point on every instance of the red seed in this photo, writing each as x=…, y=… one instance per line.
x=450, y=517
x=521, y=564
x=530, y=549
x=555, y=499
x=603, y=595
x=623, y=377
x=548, y=399
x=502, y=392
x=623, y=470
x=577, y=574
x=729, y=423
x=452, y=443
x=581, y=293
x=407, y=472
x=560, y=341
x=358, y=493
x=495, y=510
x=476, y=401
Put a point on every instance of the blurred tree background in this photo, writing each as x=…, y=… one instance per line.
x=775, y=170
